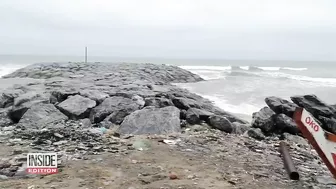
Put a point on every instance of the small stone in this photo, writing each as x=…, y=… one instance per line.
x=98, y=148
x=58, y=135
x=106, y=183
x=172, y=176
x=32, y=187
x=10, y=128
x=17, y=151
x=60, y=142
x=191, y=176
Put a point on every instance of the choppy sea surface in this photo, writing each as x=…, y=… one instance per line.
x=237, y=86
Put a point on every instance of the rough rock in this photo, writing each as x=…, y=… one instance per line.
x=218, y=111
x=4, y=118
x=281, y=106
x=220, y=123
x=158, y=102
x=334, y=106
x=195, y=116
x=17, y=112
x=298, y=140
x=264, y=120
x=76, y=107
x=256, y=133
x=117, y=117
x=85, y=123
x=151, y=120
x=95, y=95
x=240, y=128
x=7, y=98
x=314, y=105
x=61, y=95
x=41, y=115
x=284, y=123
x=328, y=124
x=185, y=103
x=110, y=105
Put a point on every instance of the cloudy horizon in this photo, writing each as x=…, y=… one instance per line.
x=214, y=29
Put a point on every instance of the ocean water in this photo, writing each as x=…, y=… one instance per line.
x=237, y=86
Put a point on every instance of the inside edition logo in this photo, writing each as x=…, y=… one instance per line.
x=42, y=163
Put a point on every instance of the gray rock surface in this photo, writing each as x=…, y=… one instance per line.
x=264, y=120
x=328, y=124
x=281, y=106
x=41, y=115
x=17, y=112
x=4, y=118
x=255, y=133
x=314, y=105
x=151, y=120
x=158, y=102
x=95, y=95
x=284, y=123
x=240, y=128
x=61, y=95
x=195, y=116
x=76, y=107
x=220, y=123
x=111, y=105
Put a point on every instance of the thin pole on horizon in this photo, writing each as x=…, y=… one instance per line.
x=85, y=54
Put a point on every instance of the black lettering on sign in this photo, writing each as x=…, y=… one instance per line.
x=42, y=160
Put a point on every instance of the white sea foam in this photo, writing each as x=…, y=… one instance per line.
x=9, y=68
x=242, y=108
x=218, y=68
x=223, y=68
x=220, y=72
x=294, y=69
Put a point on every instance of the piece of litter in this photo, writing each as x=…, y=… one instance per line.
x=170, y=142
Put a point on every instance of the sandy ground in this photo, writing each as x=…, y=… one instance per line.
x=197, y=162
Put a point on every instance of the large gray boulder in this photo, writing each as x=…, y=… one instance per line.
x=111, y=105
x=7, y=98
x=76, y=107
x=283, y=123
x=328, y=124
x=314, y=105
x=281, y=106
x=264, y=120
x=95, y=95
x=17, y=112
x=41, y=115
x=195, y=116
x=151, y=120
x=185, y=103
x=221, y=123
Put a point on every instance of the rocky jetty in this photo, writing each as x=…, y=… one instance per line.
x=277, y=117
x=133, y=98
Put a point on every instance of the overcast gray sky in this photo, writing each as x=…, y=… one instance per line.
x=228, y=29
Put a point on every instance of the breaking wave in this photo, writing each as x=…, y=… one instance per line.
x=261, y=68
x=222, y=72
